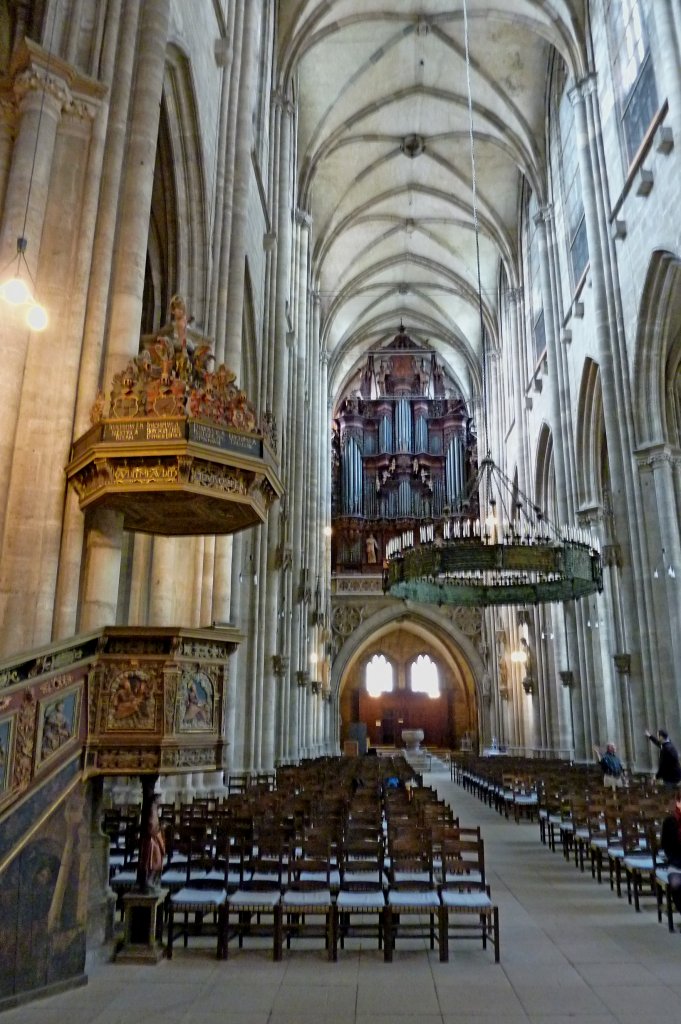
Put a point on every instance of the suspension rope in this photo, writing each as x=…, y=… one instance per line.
x=476, y=228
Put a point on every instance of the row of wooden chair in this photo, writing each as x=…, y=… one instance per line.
x=615, y=830
x=381, y=861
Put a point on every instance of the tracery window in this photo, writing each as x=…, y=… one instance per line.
x=379, y=676
x=575, y=224
x=634, y=74
x=536, y=301
x=424, y=676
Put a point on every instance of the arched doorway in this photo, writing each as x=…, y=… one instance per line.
x=402, y=648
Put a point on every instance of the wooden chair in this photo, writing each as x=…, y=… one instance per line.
x=259, y=895
x=362, y=891
x=203, y=894
x=308, y=895
x=412, y=895
x=465, y=894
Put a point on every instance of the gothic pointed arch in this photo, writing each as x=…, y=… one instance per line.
x=590, y=442
x=657, y=365
x=454, y=642
x=545, y=479
x=178, y=247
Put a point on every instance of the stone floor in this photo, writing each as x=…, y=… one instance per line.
x=571, y=953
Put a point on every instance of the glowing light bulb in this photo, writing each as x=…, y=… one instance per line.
x=36, y=317
x=15, y=291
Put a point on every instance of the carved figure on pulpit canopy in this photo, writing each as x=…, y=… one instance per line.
x=176, y=327
x=172, y=351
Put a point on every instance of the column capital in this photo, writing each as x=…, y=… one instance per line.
x=544, y=215
x=514, y=296
x=590, y=515
x=280, y=664
x=281, y=100
x=222, y=52
x=303, y=218
x=622, y=663
x=583, y=88
x=655, y=455
x=34, y=83
x=612, y=556
x=567, y=678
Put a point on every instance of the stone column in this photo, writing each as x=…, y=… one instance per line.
x=553, y=356
x=139, y=580
x=623, y=666
x=662, y=463
x=73, y=31
x=613, y=365
x=101, y=570
x=41, y=100
x=131, y=242
x=223, y=59
x=279, y=263
x=514, y=298
x=120, y=49
x=243, y=173
x=7, y=118
x=222, y=255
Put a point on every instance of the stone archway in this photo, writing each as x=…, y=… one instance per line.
x=402, y=632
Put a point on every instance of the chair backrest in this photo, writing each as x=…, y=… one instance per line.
x=411, y=861
x=463, y=863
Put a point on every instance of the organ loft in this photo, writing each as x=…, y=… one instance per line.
x=404, y=451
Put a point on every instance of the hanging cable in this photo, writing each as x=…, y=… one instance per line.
x=476, y=228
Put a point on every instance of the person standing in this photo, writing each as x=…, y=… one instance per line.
x=611, y=766
x=669, y=767
x=670, y=841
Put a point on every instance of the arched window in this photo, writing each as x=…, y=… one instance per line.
x=379, y=676
x=535, y=294
x=425, y=677
x=575, y=224
x=634, y=75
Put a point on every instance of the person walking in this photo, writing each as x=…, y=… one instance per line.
x=669, y=767
x=611, y=766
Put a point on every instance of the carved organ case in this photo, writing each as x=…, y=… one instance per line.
x=403, y=452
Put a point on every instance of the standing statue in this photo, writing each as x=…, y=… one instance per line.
x=152, y=849
x=372, y=549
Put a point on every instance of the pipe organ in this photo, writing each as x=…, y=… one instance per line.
x=403, y=452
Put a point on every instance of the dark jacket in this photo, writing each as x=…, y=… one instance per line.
x=670, y=840
x=669, y=768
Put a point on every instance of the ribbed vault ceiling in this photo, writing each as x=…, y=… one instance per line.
x=385, y=159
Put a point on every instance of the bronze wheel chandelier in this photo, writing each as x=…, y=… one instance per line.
x=496, y=548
